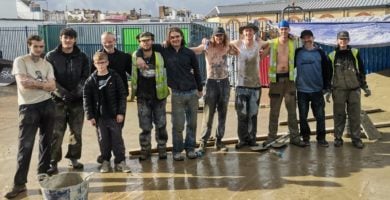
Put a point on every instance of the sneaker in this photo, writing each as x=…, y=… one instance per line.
x=338, y=142
x=53, y=169
x=240, y=145
x=75, y=164
x=16, y=190
x=202, y=147
x=162, y=153
x=323, y=143
x=358, y=144
x=297, y=142
x=105, y=166
x=191, y=154
x=122, y=167
x=220, y=146
x=99, y=159
x=178, y=157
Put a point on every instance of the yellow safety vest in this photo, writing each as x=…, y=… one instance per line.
x=274, y=57
x=354, y=53
x=161, y=77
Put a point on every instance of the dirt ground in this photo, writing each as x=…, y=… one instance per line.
x=300, y=173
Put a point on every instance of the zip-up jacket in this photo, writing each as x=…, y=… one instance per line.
x=70, y=70
x=113, y=92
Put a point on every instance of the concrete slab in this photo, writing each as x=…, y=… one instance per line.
x=301, y=173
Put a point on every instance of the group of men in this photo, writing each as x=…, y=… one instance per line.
x=56, y=91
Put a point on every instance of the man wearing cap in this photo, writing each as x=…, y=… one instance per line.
x=312, y=81
x=71, y=69
x=282, y=74
x=151, y=88
x=217, y=92
x=248, y=89
x=347, y=78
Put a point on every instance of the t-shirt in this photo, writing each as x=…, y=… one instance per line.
x=309, y=71
x=41, y=70
x=146, y=86
x=248, y=66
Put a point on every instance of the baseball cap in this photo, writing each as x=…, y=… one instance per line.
x=343, y=35
x=306, y=33
x=218, y=30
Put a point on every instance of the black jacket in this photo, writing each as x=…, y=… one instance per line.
x=121, y=63
x=325, y=65
x=70, y=70
x=113, y=92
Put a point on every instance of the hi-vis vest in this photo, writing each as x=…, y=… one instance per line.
x=354, y=53
x=161, y=77
x=274, y=57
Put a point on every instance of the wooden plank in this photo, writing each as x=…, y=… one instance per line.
x=330, y=116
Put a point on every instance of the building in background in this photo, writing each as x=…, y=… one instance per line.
x=179, y=15
x=313, y=9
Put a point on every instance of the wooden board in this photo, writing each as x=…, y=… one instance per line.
x=368, y=127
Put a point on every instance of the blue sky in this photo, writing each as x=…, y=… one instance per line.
x=150, y=6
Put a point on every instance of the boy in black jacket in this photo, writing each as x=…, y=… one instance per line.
x=105, y=106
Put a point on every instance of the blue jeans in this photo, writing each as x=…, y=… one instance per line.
x=184, y=111
x=317, y=103
x=247, y=107
x=216, y=98
x=32, y=117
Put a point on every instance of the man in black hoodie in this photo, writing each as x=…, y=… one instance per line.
x=71, y=69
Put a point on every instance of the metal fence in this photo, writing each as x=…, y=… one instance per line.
x=13, y=41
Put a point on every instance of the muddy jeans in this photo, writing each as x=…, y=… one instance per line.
x=149, y=111
x=72, y=115
x=184, y=111
x=247, y=107
x=346, y=101
x=283, y=88
x=216, y=98
x=317, y=103
x=110, y=139
x=32, y=117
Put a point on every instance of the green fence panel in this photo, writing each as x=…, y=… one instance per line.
x=129, y=41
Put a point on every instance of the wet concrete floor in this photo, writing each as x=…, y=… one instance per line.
x=299, y=173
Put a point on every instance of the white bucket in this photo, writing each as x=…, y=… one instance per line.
x=64, y=186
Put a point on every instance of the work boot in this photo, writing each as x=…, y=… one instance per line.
x=106, y=165
x=240, y=144
x=306, y=143
x=253, y=143
x=75, y=164
x=323, y=143
x=178, y=157
x=162, y=152
x=122, y=167
x=16, y=190
x=297, y=142
x=53, y=168
x=220, y=146
x=203, y=147
x=358, y=144
x=338, y=142
x=99, y=159
x=144, y=155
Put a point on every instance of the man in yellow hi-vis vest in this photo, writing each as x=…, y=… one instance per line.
x=282, y=75
x=347, y=78
x=151, y=88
